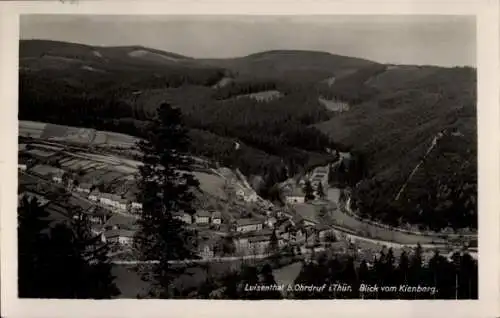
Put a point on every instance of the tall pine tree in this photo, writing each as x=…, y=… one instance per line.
x=98, y=280
x=320, y=190
x=308, y=191
x=167, y=186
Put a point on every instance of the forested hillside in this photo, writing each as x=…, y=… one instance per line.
x=118, y=89
x=396, y=128
x=394, y=112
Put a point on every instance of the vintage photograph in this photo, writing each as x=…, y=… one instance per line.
x=247, y=158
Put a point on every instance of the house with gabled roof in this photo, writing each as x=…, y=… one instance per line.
x=202, y=217
x=183, y=216
x=113, y=200
x=216, y=218
x=120, y=236
x=248, y=225
x=295, y=196
x=255, y=242
x=84, y=187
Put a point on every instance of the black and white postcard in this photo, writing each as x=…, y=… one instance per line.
x=183, y=154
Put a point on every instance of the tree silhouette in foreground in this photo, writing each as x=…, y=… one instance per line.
x=452, y=279
x=167, y=186
x=63, y=261
x=308, y=191
x=32, y=247
x=320, y=190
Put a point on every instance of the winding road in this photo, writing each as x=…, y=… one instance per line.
x=344, y=219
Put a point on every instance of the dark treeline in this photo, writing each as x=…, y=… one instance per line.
x=452, y=279
x=349, y=171
x=60, y=260
x=237, y=88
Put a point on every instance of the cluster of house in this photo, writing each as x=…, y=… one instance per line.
x=200, y=217
x=246, y=194
x=60, y=176
x=254, y=236
x=111, y=200
x=295, y=194
x=112, y=228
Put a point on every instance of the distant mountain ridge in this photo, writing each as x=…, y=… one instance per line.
x=34, y=48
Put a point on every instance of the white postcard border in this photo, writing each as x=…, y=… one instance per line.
x=488, y=181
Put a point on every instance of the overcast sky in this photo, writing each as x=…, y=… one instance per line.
x=431, y=40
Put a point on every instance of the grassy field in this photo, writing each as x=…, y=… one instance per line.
x=31, y=128
x=307, y=211
x=333, y=105
x=287, y=274
x=116, y=172
x=263, y=96
x=75, y=134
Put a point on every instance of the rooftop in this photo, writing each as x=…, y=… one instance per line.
x=46, y=170
x=85, y=185
x=264, y=232
x=121, y=220
x=295, y=192
x=244, y=222
x=180, y=213
x=256, y=239
x=322, y=227
x=306, y=211
x=113, y=197
x=203, y=213
x=321, y=169
x=319, y=175
x=216, y=214
x=119, y=233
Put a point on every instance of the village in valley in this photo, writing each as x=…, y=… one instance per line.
x=72, y=171
x=54, y=169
